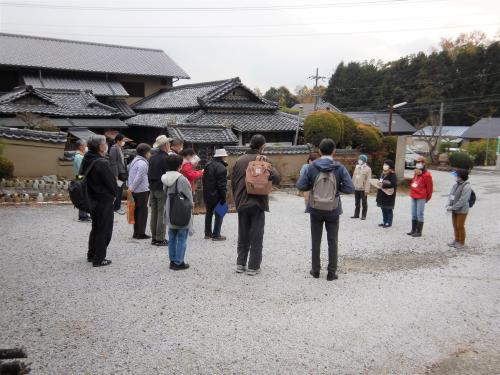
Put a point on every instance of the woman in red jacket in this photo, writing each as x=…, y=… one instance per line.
x=187, y=169
x=420, y=193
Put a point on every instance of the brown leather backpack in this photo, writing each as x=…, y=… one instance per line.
x=258, y=177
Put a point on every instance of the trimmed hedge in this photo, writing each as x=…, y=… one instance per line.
x=322, y=124
x=367, y=138
x=461, y=160
x=6, y=168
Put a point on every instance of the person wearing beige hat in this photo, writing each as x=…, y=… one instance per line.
x=158, y=197
x=214, y=192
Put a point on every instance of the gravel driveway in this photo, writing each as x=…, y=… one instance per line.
x=401, y=305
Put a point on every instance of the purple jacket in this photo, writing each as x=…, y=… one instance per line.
x=138, y=175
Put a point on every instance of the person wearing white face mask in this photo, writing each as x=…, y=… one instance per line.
x=361, y=180
x=420, y=193
x=386, y=194
x=117, y=161
x=458, y=204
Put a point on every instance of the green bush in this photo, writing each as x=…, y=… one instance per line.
x=322, y=124
x=367, y=138
x=2, y=146
x=6, y=168
x=390, y=145
x=444, y=147
x=478, y=151
x=348, y=129
x=461, y=160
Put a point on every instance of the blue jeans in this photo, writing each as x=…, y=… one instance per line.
x=387, y=215
x=417, y=209
x=208, y=222
x=177, y=243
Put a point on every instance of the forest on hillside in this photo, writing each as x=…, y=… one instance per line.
x=464, y=74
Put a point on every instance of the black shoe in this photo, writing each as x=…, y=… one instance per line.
x=102, y=263
x=208, y=236
x=363, y=218
x=381, y=225
x=354, y=217
x=85, y=219
x=159, y=243
x=418, y=231
x=90, y=259
x=314, y=274
x=141, y=237
x=179, y=267
x=331, y=276
x=219, y=238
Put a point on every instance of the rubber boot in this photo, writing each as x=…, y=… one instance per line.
x=418, y=232
x=413, y=227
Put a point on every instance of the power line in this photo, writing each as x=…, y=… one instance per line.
x=294, y=35
x=215, y=9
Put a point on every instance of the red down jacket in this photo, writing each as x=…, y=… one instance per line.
x=191, y=174
x=422, y=186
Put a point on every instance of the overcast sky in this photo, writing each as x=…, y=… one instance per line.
x=279, y=45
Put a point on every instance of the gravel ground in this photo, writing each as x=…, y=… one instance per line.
x=400, y=306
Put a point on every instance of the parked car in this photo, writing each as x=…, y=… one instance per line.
x=410, y=158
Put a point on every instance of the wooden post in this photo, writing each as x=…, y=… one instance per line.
x=400, y=158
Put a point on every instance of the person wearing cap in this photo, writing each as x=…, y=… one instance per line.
x=421, y=189
x=138, y=185
x=214, y=183
x=158, y=197
x=361, y=180
x=458, y=205
x=386, y=194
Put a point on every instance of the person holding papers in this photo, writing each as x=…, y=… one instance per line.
x=214, y=182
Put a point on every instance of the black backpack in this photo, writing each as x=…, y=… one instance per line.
x=78, y=191
x=180, y=208
x=472, y=199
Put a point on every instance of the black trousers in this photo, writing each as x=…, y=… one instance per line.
x=102, y=230
x=332, y=232
x=119, y=195
x=251, y=223
x=360, y=198
x=140, y=212
x=215, y=231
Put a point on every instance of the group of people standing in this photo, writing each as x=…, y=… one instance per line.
x=162, y=174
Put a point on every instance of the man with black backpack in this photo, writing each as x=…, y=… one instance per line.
x=325, y=179
x=252, y=203
x=101, y=189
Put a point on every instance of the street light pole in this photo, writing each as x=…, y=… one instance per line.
x=391, y=109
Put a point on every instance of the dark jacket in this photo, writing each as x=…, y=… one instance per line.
x=117, y=162
x=389, y=181
x=157, y=168
x=326, y=164
x=100, y=181
x=215, y=182
x=243, y=200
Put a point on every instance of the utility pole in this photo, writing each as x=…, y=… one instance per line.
x=391, y=108
x=440, y=131
x=316, y=78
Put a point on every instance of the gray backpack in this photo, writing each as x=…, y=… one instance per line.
x=323, y=195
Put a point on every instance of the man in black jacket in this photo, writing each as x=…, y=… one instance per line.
x=158, y=197
x=214, y=192
x=102, y=190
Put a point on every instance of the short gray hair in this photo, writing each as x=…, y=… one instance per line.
x=81, y=142
x=95, y=141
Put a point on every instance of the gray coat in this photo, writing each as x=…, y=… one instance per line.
x=117, y=161
x=169, y=180
x=459, y=197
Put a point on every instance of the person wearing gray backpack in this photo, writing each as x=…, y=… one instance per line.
x=325, y=179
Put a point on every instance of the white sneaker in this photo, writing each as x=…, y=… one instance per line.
x=253, y=272
x=452, y=244
x=240, y=269
x=121, y=211
x=459, y=246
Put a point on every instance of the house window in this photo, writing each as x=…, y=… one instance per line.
x=134, y=89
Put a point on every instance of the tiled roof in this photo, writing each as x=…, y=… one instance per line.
x=381, y=121
x=62, y=103
x=36, y=52
x=195, y=134
x=99, y=87
x=184, y=96
x=124, y=108
x=446, y=131
x=290, y=150
x=247, y=121
x=102, y=123
x=484, y=128
x=307, y=108
x=204, y=95
x=157, y=120
x=33, y=135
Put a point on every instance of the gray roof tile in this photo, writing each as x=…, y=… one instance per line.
x=484, y=128
x=157, y=120
x=99, y=87
x=275, y=150
x=121, y=105
x=62, y=103
x=33, y=135
x=195, y=134
x=381, y=121
x=37, y=52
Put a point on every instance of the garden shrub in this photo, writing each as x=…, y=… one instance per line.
x=367, y=138
x=322, y=124
x=390, y=145
x=478, y=151
x=461, y=160
x=444, y=147
x=6, y=168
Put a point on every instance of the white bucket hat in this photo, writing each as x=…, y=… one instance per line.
x=161, y=140
x=220, y=153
